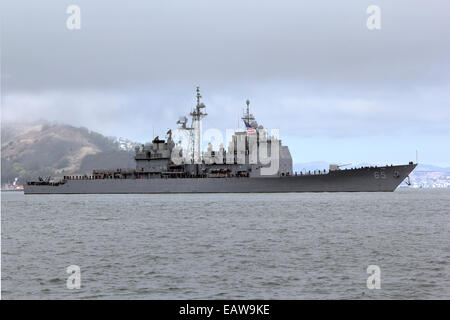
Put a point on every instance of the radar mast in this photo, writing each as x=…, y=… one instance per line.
x=248, y=117
x=197, y=116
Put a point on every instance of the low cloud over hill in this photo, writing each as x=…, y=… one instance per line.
x=43, y=149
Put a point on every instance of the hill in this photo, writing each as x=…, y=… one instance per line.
x=49, y=149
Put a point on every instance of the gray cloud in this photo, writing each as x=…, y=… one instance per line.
x=223, y=42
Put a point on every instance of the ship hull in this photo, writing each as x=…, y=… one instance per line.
x=369, y=179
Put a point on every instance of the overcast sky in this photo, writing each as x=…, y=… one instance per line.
x=337, y=91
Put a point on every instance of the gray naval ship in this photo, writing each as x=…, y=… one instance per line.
x=254, y=161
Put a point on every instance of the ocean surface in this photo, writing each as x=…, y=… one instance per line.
x=227, y=246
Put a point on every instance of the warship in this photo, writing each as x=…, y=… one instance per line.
x=255, y=161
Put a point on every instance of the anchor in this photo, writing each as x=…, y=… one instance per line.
x=409, y=181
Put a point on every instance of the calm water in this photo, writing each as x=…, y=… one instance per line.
x=255, y=246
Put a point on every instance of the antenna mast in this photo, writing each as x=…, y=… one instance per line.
x=247, y=115
x=197, y=116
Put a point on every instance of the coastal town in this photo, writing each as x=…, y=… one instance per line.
x=429, y=179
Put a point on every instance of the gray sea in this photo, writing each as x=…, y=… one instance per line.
x=227, y=246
